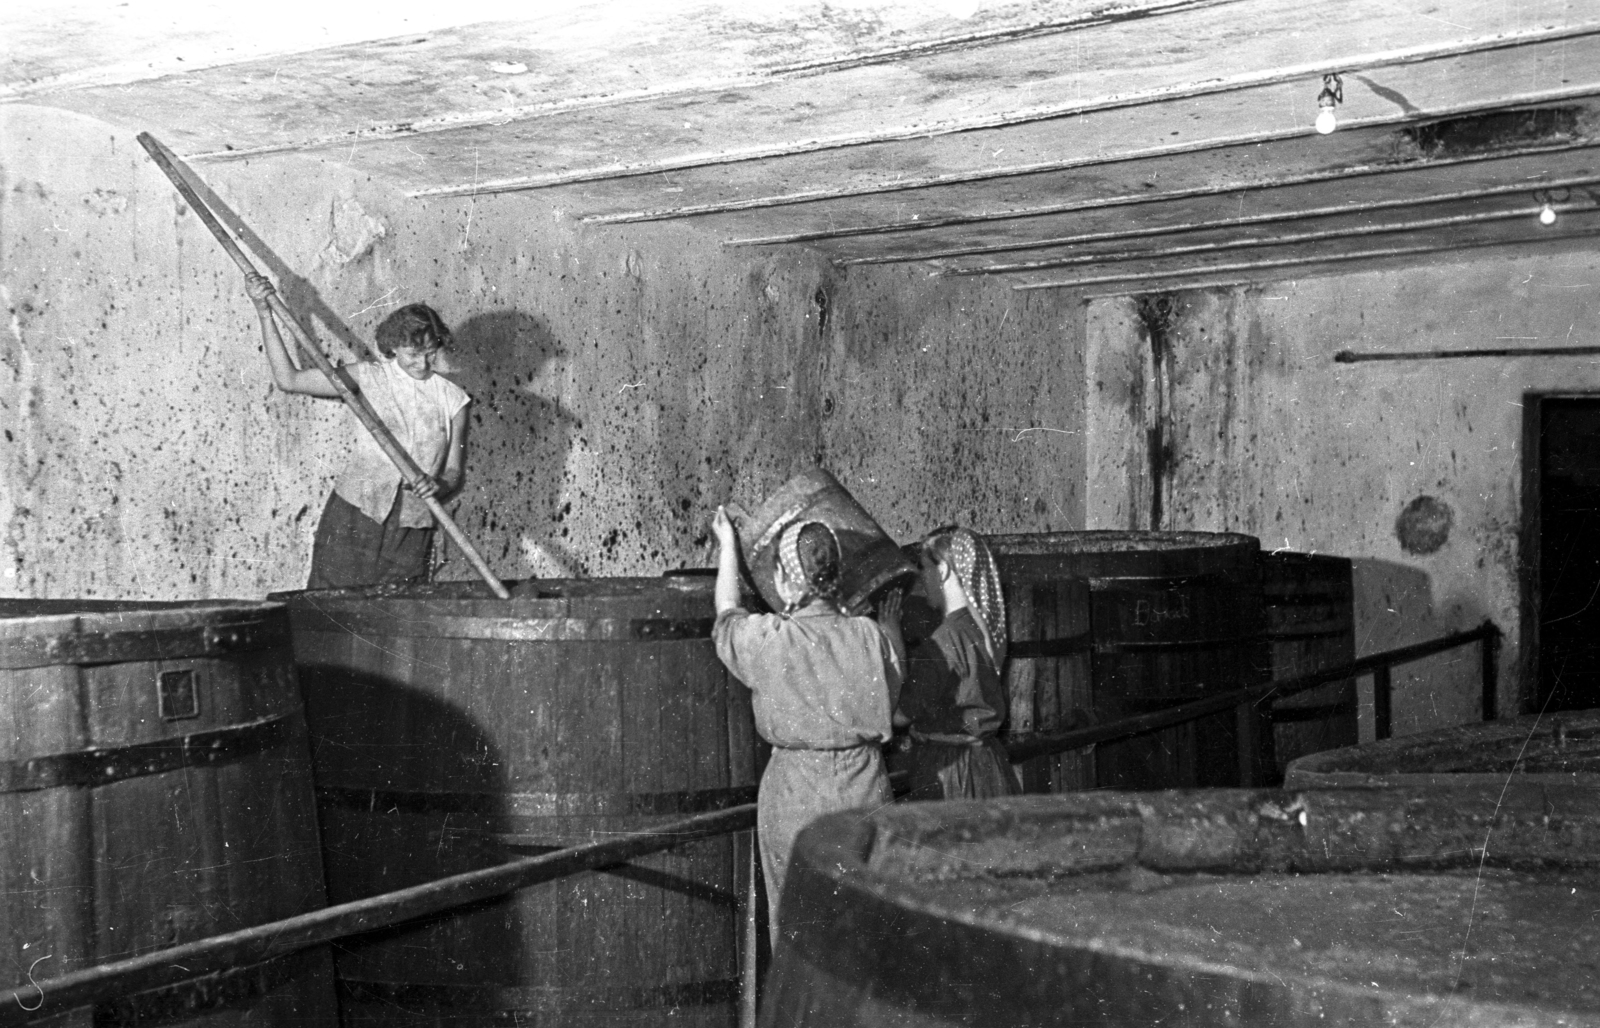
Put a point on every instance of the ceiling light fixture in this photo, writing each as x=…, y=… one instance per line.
x=1331, y=96
x=1547, y=199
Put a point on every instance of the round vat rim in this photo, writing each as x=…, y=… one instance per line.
x=1507, y=738
x=1113, y=541
x=834, y=852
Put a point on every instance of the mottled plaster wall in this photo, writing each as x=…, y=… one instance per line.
x=625, y=380
x=1266, y=434
x=957, y=401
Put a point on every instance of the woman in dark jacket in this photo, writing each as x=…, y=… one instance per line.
x=954, y=696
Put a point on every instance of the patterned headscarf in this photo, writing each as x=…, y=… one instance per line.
x=794, y=568
x=968, y=557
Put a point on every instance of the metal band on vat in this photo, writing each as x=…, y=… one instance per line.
x=507, y=1003
x=1312, y=711
x=177, y=643
x=89, y=768
x=1034, y=649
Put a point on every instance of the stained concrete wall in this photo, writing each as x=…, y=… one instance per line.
x=1266, y=434
x=625, y=380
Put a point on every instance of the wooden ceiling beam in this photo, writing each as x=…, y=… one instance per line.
x=1100, y=257
x=743, y=81
x=1575, y=227
x=1522, y=44
x=1159, y=197
x=911, y=184
x=1269, y=218
x=1272, y=280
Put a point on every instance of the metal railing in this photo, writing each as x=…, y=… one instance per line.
x=39, y=1000
x=1248, y=701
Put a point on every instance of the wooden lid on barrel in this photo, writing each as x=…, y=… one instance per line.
x=1563, y=747
x=1418, y=906
x=1122, y=554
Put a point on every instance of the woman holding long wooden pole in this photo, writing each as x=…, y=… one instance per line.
x=376, y=527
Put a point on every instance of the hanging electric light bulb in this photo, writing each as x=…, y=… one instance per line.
x=1547, y=200
x=1331, y=96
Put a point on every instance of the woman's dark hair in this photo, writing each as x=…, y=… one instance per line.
x=417, y=326
x=936, y=545
x=819, y=558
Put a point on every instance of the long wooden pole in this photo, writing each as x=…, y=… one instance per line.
x=170, y=165
x=27, y=1003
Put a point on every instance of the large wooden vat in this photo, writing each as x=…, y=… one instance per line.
x=1123, y=623
x=1549, y=749
x=1049, y=674
x=1402, y=908
x=155, y=789
x=452, y=730
x=1307, y=602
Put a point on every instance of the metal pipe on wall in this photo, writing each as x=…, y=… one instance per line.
x=1351, y=357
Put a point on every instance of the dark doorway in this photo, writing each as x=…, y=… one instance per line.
x=1562, y=505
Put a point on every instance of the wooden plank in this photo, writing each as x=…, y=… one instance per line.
x=1392, y=197
x=1441, y=221
x=1298, y=260
x=1287, y=175
x=645, y=54
x=1066, y=138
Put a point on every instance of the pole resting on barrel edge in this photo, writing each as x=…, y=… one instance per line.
x=186, y=181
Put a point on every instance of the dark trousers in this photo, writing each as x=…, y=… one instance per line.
x=351, y=549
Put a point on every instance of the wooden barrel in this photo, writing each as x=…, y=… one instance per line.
x=452, y=730
x=1548, y=749
x=1049, y=673
x=868, y=559
x=1205, y=908
x=1307, y=602
x=1165, y=617
x=155, y=789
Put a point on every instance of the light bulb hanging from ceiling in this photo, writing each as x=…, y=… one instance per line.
x=1331, y=96
x=1547, y=200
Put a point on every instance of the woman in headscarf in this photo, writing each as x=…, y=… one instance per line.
x=954, y=697
x=824, y=686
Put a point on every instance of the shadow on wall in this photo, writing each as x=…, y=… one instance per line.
x=517, y=446
x=1395, y=606
x=298, y=293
